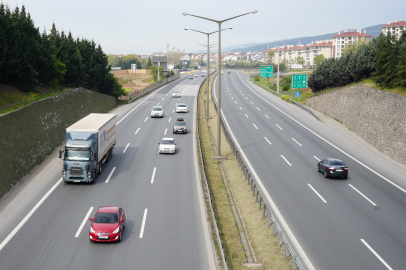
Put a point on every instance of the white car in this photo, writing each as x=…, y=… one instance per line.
x=157, y=111
x=167, y=145
x=176, y=94
x=181, y=107
x=195, y=75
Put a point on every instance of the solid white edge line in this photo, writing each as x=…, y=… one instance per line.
x=137, y=130
x=362, y=195
x=255, y=126
x=297, y=142
x=153, y=175
x=169, y=119
x=279, y=127
x=146, y=119
x=267, y=140
x=376, y=254
x=128, y=145
x=22, y=222
x=316, y=158
x=317, y=135
x=278, y=214
x=165, y=131
x=286, y=160
x=143, y=223
x=108, y=178
x=84, y=221
x=315, y=191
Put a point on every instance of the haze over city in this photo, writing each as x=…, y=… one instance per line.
x=125, y=27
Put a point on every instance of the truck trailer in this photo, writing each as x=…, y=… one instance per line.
x=89, y=144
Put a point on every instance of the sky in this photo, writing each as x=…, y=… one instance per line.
x=144, y=27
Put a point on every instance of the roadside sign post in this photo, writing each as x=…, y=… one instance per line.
x=265, y=72
x=299, y=81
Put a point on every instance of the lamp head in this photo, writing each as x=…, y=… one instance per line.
x=185, y=13
x=186, y=28
x=253, y=12
x=230, y=28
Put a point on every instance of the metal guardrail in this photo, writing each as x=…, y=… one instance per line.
x=223, y=258
x=263, y=205
x=140, y=92
x=307, y=109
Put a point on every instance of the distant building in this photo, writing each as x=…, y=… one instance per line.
x=307, y=52
x=395, y=28
x=120, y=55
x=347, y=37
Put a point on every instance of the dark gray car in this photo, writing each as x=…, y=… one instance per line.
x=180, y=127
x=332, y=167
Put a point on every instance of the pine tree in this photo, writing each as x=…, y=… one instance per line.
x=401, y=67
x=386, y=61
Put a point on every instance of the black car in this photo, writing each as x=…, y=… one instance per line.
x=332, y=167
x=180, y=126
x=202, y=75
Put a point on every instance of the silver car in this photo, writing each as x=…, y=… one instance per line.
x=157, y=111
x=176, y=94
x=181, y=108
x=167, y=145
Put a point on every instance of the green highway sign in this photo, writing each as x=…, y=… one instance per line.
x=299, y=81
x=266, y=71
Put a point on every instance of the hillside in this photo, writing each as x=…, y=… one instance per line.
x=372, y=30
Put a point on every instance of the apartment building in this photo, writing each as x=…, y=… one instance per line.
x=395, y=28
x=347, y=37
x=290, y=53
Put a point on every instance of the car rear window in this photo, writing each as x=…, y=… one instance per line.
x=106, y=218
x=181, y=105
x=156, y=109
x=336, y=162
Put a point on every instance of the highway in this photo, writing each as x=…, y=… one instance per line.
x=358, y=223
x=44, y=222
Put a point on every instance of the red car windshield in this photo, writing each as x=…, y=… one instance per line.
x=106, y=218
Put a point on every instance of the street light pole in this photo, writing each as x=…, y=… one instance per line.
x=219, y=73
x=208, y=65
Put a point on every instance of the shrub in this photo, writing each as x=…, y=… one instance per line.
x=286, y=98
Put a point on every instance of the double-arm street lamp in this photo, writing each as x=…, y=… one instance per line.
x=219, y=72
x=208, y=62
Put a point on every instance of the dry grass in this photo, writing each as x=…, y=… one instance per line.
x=260, y=236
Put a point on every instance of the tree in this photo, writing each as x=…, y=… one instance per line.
x=155, y=73
x=269, y=57
x=401, y=67
x=300, y=60
x=149, y=63
x=318, y=59
x=386, y=61
x=353, y=46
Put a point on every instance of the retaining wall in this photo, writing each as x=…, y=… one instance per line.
x=28, y=134
x=377, y=116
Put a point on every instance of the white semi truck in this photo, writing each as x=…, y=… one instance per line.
x=89, y=144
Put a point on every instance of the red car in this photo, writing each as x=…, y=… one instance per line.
x=107, y=224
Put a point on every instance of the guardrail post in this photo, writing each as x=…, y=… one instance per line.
x=286, y=250
x=269, y=219
x=263, y=214
x=293, y=262
x=279, y=239
x=273, y=227
x=249, y=178
x=260, y=202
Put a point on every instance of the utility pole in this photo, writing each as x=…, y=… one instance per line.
x=277, y=79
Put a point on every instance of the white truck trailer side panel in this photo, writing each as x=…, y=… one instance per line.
x=101, y=123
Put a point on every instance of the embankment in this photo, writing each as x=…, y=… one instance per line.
x=27, y=135
x=377, y=116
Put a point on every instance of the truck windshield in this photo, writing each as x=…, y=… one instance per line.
x=77, y=155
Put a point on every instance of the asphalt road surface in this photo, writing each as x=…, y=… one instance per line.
x=44, y=222
x=358, y=223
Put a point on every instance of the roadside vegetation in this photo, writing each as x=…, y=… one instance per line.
x=380, y=63
x=30, y=60
x=260, y=236
x=285, y=87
